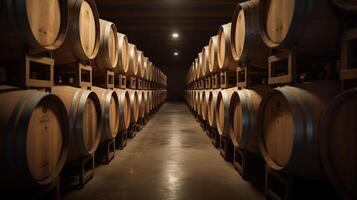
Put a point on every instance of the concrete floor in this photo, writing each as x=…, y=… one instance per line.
x=171, y=158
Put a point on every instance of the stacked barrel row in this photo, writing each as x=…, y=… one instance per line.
x=301, y=123
x=46, y=127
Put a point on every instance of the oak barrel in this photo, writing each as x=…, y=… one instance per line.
x=108, y=55
x=149, y=107
x=194, y=100
x=148, y=70
x=141, y=102
x=200, y=63
x=83, y=36
x=199, y=102
x=213, y=54
x=147, y=102
x=309, y=26
x=141, y=60
x=225, y=56
x=123, y=57
x=85, y=120
x=124, y=109
x=133, y=61
x=243, y=114
x=205, y=58
x=109, y=104
x=197, y=70
x=134, y=106
x=247, y=44
x=212, y=101
x=222, y=111
x=338, y=143
x=23, y=30
x=145, y=68
x=205, y=104
x=34, y=137
x=288, y=126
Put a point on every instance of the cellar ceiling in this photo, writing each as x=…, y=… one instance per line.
x=150, y=24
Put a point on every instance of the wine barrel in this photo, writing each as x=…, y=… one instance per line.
x=213, y=54
x=199, y=103
x=205, y=58
x=212, y=101
x=108, y=55
x=123, y=54
x=151, y=69
x=133, y=61
x=153, y=99
x=141, y=60
x=205, y=104
x=348, y=5
x=83, y=36
x=309, y=26
x=202, y=102
x=23, y=30
x=247, y=44
x=222, y=111
x=145, y=68
x=124, y=109
x=149, y=102
x=141, y=102
x=109, y=103
x=34, y=138
x=197, y=70
x=200, y=63
x=192, y=72
x=338, y=143
x=288, y=126
x=243, y=114
x=148, y=70
x=194, y=100
x=134, y=106
x=85, y=120
x=225, y=57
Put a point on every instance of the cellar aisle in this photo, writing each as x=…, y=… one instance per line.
x=171, y=158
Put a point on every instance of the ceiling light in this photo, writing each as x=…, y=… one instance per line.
x=176, y=53
x=175, y=35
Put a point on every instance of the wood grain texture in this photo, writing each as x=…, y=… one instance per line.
x=222, y=111
x=82, y=41
x=133, y=61
x=124, y=109
x=134, y=106
x=309, y=26
x=87, y=29
x=107, y=58
x=109, y=103
x=243, y=115
x=213, y=54
x=123, y=57
x=225, y=57
x=34, y=130
x=247, y=44
x=85, y=119
x=289, y=121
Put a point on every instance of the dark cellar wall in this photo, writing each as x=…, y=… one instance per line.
x=175, y=83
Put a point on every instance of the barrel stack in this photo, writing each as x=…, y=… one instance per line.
x=276, y=95
x=27, y=104
x=73, y=76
